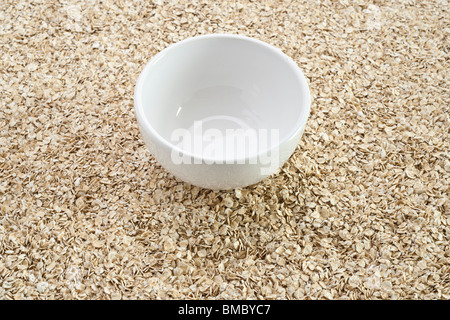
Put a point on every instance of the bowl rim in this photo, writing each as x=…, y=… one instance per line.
x=153, y=133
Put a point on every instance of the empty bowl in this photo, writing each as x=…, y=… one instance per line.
x=221, y=111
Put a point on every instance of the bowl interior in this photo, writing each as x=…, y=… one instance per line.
x=223, y=83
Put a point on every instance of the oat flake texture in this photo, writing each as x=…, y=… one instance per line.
x=360, y=211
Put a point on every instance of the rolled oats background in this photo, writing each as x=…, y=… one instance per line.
x=360, y=211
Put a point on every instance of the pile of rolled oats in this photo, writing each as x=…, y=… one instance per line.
x=360, y=211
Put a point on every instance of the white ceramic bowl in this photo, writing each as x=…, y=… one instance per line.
x=221, y=111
